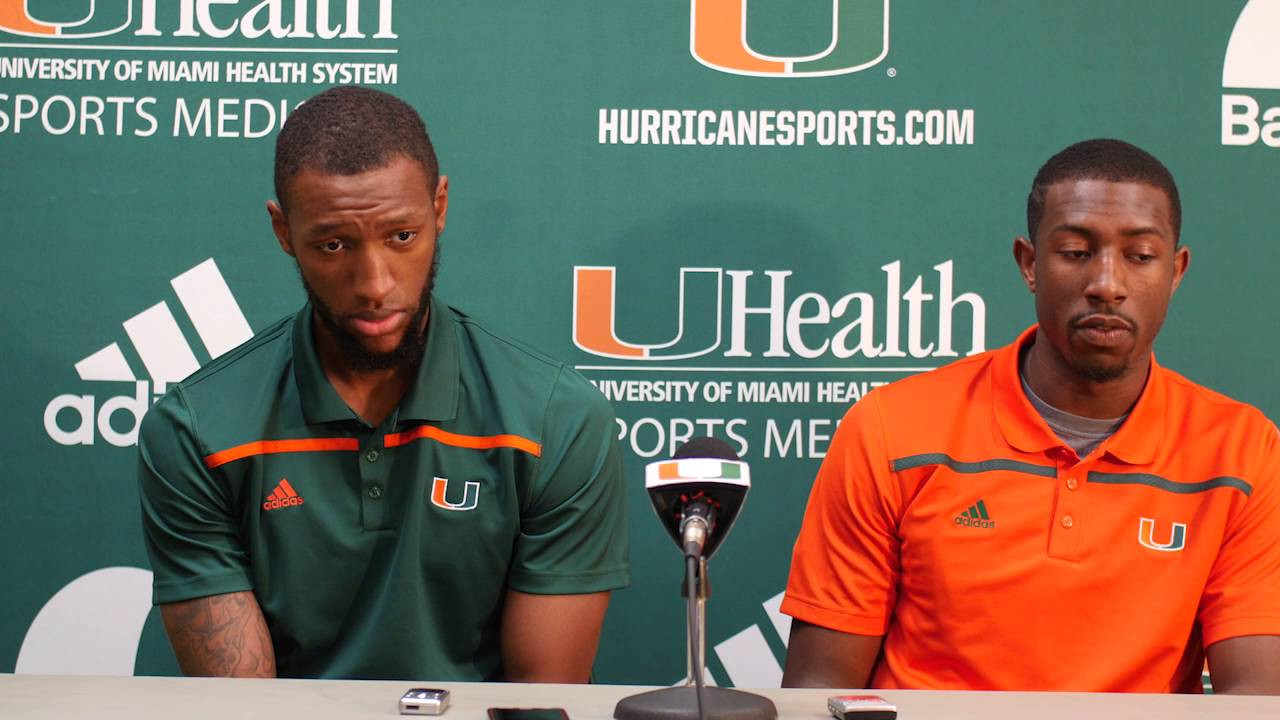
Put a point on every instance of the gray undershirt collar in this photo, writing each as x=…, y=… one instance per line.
x=1082, y=434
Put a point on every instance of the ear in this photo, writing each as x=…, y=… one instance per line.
x=1181, y=261
x=441, y=203
x=280, y=226
x=1024, y=253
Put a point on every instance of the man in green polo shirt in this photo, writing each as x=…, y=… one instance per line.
x=379, y=487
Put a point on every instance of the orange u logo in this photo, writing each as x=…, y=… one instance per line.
x=470, y=495
x=595, y=315
x=859, y=39
x=113, y=17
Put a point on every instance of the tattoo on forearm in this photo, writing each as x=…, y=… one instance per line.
x=221, y=636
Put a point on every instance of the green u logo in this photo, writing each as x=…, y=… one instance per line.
x=859, y=39
x=595, y=315
x=1147, y=531
x=90, y=20
x=470, y=495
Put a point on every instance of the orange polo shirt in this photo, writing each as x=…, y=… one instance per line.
x=949, y=518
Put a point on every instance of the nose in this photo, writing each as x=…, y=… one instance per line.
x=371, y=277
x=1107, y=282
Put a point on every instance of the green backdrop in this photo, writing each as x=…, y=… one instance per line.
x=602, y=156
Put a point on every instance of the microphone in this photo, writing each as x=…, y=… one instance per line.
x=698, y=494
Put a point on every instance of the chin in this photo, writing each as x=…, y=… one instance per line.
x=383, y=347
x=1101, y=372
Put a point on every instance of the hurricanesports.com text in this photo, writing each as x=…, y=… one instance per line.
x=787, y=128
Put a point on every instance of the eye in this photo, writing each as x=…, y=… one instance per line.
x=331, y=246
x=1142, y=258
x=404, y=237
x=1074, y=254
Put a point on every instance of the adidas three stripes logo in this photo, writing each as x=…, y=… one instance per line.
x=976, y=516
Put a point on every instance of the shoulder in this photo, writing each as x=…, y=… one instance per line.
x=511, y=362
x=1197, y=408
x=911, y=408
x=935, y=392
x=1192, y=397
x=249, y=359
x=946, y=409
x=483, y=343
x=1209, y=434
x=239, y=373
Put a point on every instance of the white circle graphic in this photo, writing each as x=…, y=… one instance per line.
x=92, y=626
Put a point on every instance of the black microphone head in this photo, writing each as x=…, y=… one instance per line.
x=705, y=447
x=704, y=471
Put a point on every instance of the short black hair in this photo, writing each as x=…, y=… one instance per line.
x=1103, y=159
x=348, y=130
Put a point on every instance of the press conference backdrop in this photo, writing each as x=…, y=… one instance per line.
x=735, y=218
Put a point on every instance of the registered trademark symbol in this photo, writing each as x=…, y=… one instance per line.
x=891, y=72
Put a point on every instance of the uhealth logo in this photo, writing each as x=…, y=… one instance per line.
x=1253, y=63
x=164, y=351
x=859, y=40
x=808, y=325
x=83, y=19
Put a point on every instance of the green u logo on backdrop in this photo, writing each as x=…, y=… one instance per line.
x=83, y=19
x=859, y=40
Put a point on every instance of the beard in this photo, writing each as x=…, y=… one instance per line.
x=1103, y=370
x=407, y=355
x=1099, y=373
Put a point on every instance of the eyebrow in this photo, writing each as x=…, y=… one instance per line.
x=1089, y=233
x=401, y=221
x=1143, y=230
x=323, y=228
x=327, y=228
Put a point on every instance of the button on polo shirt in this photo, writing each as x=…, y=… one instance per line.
x=949, y=518
x=384, y=552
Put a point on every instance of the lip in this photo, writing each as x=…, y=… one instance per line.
x=377, y=324
x=1104, y=330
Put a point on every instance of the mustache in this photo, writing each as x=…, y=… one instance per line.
x=1106, y=315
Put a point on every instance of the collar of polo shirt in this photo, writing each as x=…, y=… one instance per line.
x=1136, y=442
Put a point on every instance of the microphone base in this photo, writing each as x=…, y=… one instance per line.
x=681, y=703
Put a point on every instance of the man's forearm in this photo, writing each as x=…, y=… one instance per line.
x=821, y=657
x=1246, y=665
x=551, y=638
x=220, y=636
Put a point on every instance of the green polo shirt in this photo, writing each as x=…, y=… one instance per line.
x=384, y=552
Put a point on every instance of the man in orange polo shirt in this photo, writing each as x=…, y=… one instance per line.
x=1061, y=513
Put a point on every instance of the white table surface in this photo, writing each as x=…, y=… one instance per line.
x=37, y=697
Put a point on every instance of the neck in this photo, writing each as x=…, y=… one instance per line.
x=1057, y=384
x=370, y=394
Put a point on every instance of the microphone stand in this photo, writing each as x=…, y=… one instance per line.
x=693, y=701
x=697, y=632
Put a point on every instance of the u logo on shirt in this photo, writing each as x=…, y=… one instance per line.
x=1147, y=536
x=470, y=495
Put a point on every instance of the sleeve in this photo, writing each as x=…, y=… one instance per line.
x=1242, y=595
x=188, y=521
x=573, y=526
x=845, y=566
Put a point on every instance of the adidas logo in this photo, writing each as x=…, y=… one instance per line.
x=283, y=496
x=747, y=657
x=162, y=349
x=976, y=516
